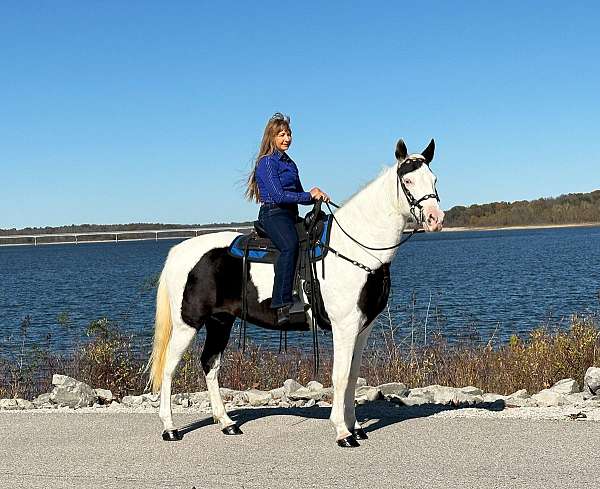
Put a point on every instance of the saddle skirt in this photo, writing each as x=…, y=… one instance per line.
x=258, y=248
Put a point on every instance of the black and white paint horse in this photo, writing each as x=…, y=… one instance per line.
x=200, y=286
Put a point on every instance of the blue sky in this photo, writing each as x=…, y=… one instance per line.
x=142, y=111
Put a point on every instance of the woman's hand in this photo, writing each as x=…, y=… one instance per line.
x=317, y=194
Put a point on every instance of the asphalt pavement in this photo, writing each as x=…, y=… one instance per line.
x=295, y=448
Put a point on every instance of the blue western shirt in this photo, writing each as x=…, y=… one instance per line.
x=278, y=180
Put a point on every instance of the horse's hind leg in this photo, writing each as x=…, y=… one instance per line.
x=181, y=337
x=218, y=329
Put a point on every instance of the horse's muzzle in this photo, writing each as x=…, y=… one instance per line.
x=434, y=220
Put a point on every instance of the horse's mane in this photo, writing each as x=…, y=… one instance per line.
x=364, y=186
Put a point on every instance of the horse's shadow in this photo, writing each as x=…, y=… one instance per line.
x=373, y=415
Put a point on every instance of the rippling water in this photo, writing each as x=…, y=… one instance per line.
x=489, y=283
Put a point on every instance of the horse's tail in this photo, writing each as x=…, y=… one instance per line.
x=163, y=326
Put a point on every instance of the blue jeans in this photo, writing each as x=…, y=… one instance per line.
x=280, y=223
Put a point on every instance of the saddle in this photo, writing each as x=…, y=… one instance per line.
x=313, y=233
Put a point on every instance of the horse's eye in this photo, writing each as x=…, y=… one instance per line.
x=408, y=181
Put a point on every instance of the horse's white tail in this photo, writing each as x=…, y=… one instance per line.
x=162, y=334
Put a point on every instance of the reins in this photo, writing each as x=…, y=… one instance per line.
x=372, y=248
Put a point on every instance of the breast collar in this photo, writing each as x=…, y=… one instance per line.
x=407, y=166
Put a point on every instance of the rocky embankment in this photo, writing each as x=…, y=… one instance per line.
x=68, y=394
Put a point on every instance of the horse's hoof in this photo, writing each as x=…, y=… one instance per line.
x=232, y=430
x=171, y=435
x=359, y=434
x=348, y=442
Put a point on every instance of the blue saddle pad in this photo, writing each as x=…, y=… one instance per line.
x=262, y=250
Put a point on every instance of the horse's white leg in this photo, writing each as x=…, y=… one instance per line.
x=344, y=340
x=181, y=337
x=218, y=329
x=350, y=413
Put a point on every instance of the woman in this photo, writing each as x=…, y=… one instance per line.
x=274, y=182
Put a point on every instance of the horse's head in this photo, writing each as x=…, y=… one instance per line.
x=418, y=186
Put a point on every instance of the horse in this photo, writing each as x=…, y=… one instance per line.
x=200, y=286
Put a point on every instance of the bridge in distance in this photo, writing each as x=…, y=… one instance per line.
x=113, y=236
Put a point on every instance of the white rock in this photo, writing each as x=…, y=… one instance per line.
x=104, y=395
x=368, y=392
x=313, y=385
x=9, y=404
x=305, y=394
x=415, y=400
x=591, y=380
x=361, y=382
x=473, y=391
x=290, y=385
x=576, y=398
x=323, y=404
x=227, y=394
x=440, y=394
x=566, y=386
x=547, y=398
x=520, y=394
x=257, y=397
x=71, y=393
x=175, y=398
x=397, y=389
x=199, y=397
x=42, y=400
x=520, y=402
x=150, y=397
x=310, y=403
x=25, y=404
x=63, y=380
x=422, y=392
x=491, y=397
x=327, y=392
x=132, y=401
x=277, y=393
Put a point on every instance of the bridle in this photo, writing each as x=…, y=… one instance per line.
x=411, y=164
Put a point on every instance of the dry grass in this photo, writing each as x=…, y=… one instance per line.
x=110, y=359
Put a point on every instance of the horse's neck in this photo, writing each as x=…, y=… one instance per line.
x=372, y=217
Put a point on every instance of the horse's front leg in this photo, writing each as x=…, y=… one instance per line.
x=344, y=340
x=350, y=415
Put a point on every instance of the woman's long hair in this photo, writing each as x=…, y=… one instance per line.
x=278, y=122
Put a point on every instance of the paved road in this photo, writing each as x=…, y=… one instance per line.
x=295, y=449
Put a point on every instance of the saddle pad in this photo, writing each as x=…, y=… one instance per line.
x=262, y=250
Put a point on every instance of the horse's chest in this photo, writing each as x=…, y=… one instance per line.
x=374, y=294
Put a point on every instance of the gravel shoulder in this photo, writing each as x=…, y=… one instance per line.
x=410, y=446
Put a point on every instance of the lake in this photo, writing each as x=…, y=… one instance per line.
x=461, y=284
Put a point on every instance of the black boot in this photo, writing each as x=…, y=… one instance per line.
x=283, y=315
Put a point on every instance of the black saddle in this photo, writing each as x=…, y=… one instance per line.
x=313, y=233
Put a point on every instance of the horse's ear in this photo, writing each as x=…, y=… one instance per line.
x=428, y=152
x=401, y=151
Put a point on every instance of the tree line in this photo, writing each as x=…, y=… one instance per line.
x=577, y=208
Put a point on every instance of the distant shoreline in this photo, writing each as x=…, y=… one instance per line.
x=509, y=228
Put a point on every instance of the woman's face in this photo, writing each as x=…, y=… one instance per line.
x=283, y=140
